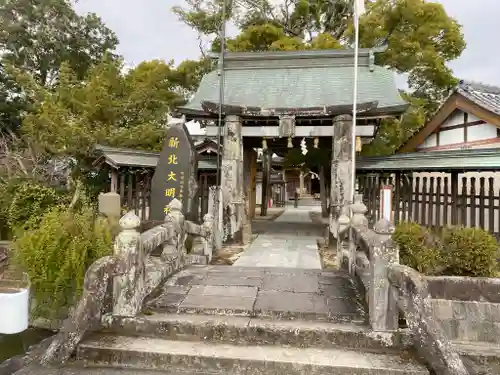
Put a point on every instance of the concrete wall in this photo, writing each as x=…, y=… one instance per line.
x=467, y=308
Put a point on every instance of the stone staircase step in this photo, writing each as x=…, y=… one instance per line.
x=68, y=369
x=252, y=331
x=160, y=354
x=483, y=357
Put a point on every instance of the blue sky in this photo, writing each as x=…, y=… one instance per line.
x=149, y=30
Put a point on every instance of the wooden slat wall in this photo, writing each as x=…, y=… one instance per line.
x=436, y=202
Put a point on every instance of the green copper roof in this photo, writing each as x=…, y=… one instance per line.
x=298, y=80
x=449, y=160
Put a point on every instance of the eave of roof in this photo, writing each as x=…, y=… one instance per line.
x=122, y=157
x=450, y=160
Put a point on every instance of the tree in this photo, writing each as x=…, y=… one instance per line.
x=187, y=76
x=109, y=107
x=37, y=37
x=420, y=38
x=394, y=132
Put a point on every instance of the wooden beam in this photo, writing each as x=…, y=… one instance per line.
x=469, y=106
x=239, y=110
x=300, y=131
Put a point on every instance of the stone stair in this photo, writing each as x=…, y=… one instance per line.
x=246, y=321
x=193, y=343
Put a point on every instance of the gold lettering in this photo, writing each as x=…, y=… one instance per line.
x=170, y=192
x=172, y=159
x=173, y=142
x=171, y=177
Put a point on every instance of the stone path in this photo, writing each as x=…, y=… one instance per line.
x=261, y=292
x=287, y=242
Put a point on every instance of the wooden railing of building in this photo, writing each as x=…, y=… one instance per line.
x=438, y=201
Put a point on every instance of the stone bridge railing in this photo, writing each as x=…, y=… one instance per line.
x=119, y=283
x=391, y=288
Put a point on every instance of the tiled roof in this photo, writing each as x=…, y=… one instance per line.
x=299, y=80
x=483, y=95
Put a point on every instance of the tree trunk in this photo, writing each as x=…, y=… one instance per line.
x=322, y=191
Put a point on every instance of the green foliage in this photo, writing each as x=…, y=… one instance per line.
x=8, y=190
x=272, y=37
x=294, y=159
x=420, y=38
x=395, y=132
x=40, y=35
x=204, y=16
x=418, y=248
x=188, y=74
x=456, y=251
x=57, y=254
x=109, y=107
x=470, y=252
x=317, y=157
x=29, y=203
x=37, y=37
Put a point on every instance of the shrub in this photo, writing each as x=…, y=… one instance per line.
x=470, y=252
x=57, y=254
x=29, y=204
x=418, y=248
x=7, y=191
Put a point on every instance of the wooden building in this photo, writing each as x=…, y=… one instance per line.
x=448, y=173
x=468, y=119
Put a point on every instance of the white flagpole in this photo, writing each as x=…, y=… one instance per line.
x=357, y=11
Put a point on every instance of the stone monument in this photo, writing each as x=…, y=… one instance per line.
x=176, y=173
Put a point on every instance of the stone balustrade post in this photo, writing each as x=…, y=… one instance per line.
x=383, y=297
x=359, y=224
x=127, y=288
x=358, y=218
x=174, y=248
x=342, y=243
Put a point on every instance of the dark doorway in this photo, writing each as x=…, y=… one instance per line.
x=315, y=189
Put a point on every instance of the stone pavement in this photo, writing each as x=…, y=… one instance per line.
x=261, y=292
x=287, y=242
